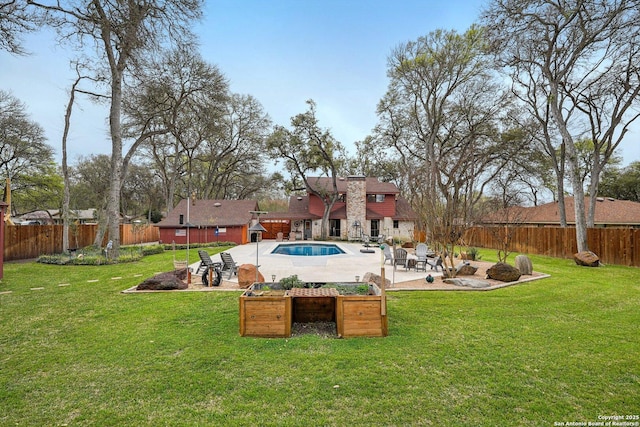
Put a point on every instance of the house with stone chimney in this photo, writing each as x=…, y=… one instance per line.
x=365, y=206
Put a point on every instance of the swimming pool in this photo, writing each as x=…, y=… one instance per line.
x=307, y=249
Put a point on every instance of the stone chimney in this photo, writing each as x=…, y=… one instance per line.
x=356, y=206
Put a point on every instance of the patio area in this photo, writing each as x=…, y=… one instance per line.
x=341, y=268
x=325, y=268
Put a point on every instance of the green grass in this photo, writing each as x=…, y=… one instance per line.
x=561, y=349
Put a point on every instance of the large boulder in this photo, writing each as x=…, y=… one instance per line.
x=247, y=275
x=465, y=269
x=503, y=272
x=523, y=263
x=587, y=259
x=165, y=281
x=377, y=279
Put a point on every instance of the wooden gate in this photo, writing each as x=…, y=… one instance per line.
x=274, y=226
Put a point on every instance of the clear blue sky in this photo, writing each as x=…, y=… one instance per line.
x=282, y=52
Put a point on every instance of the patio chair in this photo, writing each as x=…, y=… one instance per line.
x=421, y=254
x=400, y=257
x=387, y=255
x=279, y=236
x=205, y=261
x=228, y=264
x=437, y=262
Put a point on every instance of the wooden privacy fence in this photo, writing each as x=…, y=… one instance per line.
x=613, y=245
x=31, y=241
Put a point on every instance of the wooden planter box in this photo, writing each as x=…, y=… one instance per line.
x=266, y=315
x=361, y=316
x=272, y=315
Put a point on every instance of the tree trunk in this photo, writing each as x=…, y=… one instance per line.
x=574, y=170
x=596, y=169
x=113, y=205
x=562, y=209
x=65, y=171
x=578, y=194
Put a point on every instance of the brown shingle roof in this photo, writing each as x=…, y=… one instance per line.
x=608, y=212
x=206, y=213
x=374, y=186
x=404, y=211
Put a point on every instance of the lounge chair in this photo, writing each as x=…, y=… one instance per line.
x=205, y=261
x=388, y=255
x=228, y=264
x=400, y=257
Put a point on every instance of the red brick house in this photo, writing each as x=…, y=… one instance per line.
x=366, y=206
x=609, y=213
x=209, y=221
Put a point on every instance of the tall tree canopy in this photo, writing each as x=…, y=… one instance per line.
x=582, y=57
x=25, y=157
x=442, y=113
x=310, y=151
x=121, y=33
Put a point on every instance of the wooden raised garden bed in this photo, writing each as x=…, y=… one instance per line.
x=266, y=311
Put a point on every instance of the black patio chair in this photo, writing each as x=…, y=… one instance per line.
x=228, y=264
x=205, y=261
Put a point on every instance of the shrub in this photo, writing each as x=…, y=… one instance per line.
x=291, y=282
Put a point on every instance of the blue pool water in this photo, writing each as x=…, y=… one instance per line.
x=307, y=249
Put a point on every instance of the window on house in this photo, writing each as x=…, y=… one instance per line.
x=396, y=223
x=375, y=198
x=181, y=220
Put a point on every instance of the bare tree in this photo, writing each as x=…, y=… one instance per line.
x=121, y=33
x=174, y=106
x=442, y=114
x=583, y=56
x=307, y=150
x=15, y=21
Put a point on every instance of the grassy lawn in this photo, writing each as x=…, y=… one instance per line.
x=562, y=349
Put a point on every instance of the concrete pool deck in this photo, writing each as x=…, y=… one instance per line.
x=324, y=268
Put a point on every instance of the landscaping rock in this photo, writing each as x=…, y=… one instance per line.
x=469, y=283
x=247, y=276
x=503, y=272
x=465, y=269
x=523, y=263
x=377, y=279
x=587, y=259
x=165, y=281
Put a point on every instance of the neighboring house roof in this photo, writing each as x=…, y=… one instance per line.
x=211, y=213
x=374, y=186
x=40, y=217
x=608, y=211
x=80, y=214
